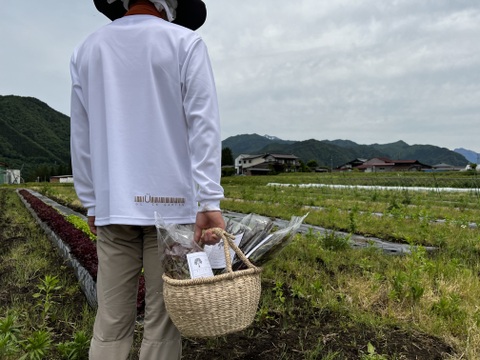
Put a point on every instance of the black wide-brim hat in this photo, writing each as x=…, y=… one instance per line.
x=190, y=13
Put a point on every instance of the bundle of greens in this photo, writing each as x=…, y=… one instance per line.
x=258, y=242
x=255, y=236
x=254, y=227
x=265, y=250
x=174, y=243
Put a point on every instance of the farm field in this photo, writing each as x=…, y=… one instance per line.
x=321, y=298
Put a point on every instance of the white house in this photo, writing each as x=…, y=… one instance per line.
x=9, y=176
x=266, y=163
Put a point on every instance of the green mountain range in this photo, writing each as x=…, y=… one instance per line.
x=338, y=152
x=33, y=137
x=36, y=139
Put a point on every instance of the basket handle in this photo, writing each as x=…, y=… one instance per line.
x=229, y=243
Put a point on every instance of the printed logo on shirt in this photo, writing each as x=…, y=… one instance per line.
x=159, y=200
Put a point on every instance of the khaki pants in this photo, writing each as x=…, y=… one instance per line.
x=122, y=253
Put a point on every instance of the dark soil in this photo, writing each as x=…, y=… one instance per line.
x=298, y=335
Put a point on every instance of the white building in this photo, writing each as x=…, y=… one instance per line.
x=61, y=179
x=266, y=164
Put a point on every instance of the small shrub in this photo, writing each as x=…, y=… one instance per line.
x=335, y=242
x=77, y=349
x=37, y=346
x=372, y=354
x=9, y=333
x=46, y=295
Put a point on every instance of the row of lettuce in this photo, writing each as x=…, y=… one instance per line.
x=75, y=236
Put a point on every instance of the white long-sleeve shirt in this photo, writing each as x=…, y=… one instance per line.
x=145, y=128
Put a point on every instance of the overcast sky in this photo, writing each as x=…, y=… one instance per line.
x=370, y=71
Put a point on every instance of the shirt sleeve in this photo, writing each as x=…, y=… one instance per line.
x=80, y=143
x=203, y=121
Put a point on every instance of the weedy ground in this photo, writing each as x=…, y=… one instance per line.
x=321, y=299
x=43, y=313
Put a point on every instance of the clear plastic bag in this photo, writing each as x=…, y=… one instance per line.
x=259, y=244
x=265, y=250
x=256, y=228
x=175, y=242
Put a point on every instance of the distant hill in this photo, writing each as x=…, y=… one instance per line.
x=337, y=152
x=249, y=143
x=32, y=135
x=36, y=138
x=470, y=155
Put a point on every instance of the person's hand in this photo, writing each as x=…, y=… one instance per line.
x=91, y=225
x=207, y=220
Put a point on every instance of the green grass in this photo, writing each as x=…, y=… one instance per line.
x=435, y=293
x=41, y=305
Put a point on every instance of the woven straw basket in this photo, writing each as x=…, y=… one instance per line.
x=216, y=305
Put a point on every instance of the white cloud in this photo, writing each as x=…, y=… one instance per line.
x=366, y=71
x=369, y=71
